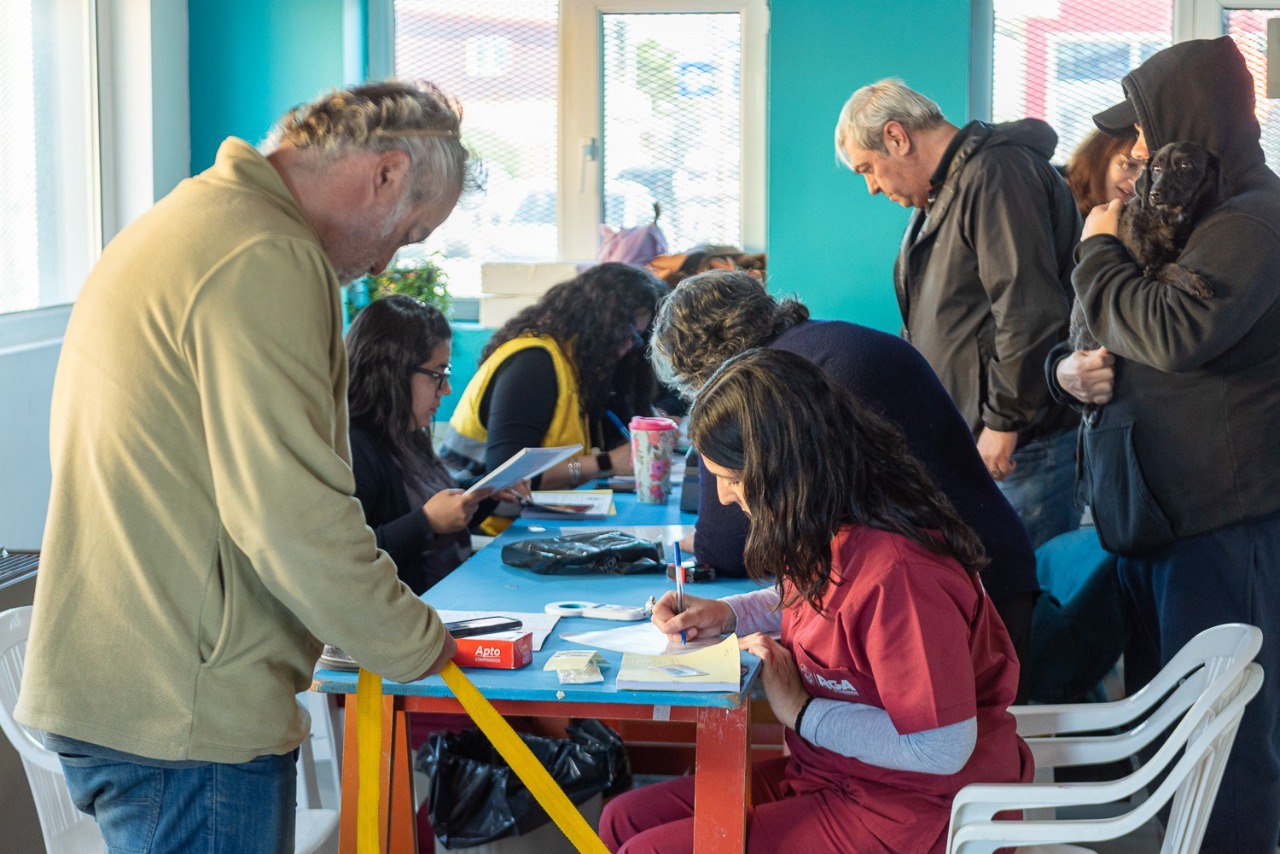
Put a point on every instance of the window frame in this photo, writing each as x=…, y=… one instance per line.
x=1192, y=19
x=579, y=166
x=139, y=104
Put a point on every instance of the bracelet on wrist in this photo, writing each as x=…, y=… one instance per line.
x=800, y=715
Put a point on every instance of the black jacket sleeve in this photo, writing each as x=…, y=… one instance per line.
x=721, y=530
x=1018, y=265
x=401, y=531
x=519, y=405
x=1163, y=327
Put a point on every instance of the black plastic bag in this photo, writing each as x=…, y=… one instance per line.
x=608, y=552
x=476, y=798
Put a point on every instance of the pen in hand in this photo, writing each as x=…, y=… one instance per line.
x=680, y=589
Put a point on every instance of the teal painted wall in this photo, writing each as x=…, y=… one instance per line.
x=253, y=59
x=829, y=242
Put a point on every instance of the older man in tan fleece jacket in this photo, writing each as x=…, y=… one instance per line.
x=203, y=536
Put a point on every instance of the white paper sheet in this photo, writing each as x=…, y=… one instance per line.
x=528, y=463
x=540, y=624
x=643, y=638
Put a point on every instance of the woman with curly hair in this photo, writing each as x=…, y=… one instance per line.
x=559, y=373
x=713, y=316
x=398, y=353
x=893, y=675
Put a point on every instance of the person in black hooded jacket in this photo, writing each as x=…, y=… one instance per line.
x=1184, y=457
x=983, y=278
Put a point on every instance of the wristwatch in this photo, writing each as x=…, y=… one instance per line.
x=604, y=462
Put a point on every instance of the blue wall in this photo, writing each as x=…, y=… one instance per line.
x=253, y=59
x=829, y=242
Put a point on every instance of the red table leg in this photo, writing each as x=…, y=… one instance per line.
x=395, y=798
x=722, y=790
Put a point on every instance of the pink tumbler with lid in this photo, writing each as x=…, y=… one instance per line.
x=653, y=440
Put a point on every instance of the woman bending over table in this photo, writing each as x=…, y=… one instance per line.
x=893, y=675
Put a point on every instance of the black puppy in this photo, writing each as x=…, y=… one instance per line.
x=1181, y=184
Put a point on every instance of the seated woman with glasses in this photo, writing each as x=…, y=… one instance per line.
x=568, y=370
x=398, y=358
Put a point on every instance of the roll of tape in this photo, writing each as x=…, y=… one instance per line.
x=568, y=609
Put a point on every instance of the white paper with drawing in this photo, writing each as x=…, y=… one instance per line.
x=643, y=638
x=530, y=462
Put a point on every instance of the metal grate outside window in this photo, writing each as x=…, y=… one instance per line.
x=672, y=124
x=1248, y=27
x=1062, y=60
x=48, y=207
x=500, y=59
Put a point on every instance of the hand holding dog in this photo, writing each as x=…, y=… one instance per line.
x=1104, y=219
x=1088, y=375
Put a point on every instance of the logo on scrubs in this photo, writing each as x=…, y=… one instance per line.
x=844, y=686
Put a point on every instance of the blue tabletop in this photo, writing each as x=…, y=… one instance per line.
x=485, y=582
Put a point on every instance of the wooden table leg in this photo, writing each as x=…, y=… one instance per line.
x=397, y=775
x=395, y=799
x=722, y=792
x=350, y=781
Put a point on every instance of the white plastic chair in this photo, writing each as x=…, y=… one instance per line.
x=1206, y=731
x=67, y=830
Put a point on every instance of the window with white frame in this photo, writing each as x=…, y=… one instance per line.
x=591, y=112
x=50, y=230
x=1062, y=60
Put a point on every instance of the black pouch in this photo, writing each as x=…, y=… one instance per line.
x=607, y=552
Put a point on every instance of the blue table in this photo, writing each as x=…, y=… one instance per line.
x=483, y=582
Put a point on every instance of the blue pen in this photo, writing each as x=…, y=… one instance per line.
x=680, y=588
x=617, y=422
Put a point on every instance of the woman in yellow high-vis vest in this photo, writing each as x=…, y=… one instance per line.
x=568, y=370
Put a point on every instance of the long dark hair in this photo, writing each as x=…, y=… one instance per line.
x=589, y=316
x=712, y=317
x=386, y=341
x=813, y=460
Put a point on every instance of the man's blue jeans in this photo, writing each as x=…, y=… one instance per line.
x=200, y=808
x=1042, y=486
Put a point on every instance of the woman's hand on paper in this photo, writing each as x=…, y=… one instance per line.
x=450, y=510
x=782, y=686
x=701, y=617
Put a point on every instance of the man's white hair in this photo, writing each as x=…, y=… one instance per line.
x=868, y=110
x=416, y=118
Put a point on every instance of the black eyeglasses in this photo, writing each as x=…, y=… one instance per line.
x=441, y=377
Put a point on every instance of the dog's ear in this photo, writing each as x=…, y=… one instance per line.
x=1142, y=186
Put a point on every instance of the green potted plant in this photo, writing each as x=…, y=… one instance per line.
x=422, y=279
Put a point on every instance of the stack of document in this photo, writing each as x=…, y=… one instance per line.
x=712, y=668
x=574, y=504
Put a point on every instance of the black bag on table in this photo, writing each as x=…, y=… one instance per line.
x=608, y=552
x=476, y=798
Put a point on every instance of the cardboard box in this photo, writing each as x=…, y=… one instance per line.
x=500, y=651
x=530, y=279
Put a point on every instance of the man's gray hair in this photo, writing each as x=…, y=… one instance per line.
x=391, y=115
x=872, y=107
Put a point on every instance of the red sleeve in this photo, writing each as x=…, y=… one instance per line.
x=916, y=640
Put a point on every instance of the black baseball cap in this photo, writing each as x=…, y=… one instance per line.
x=1118, y=120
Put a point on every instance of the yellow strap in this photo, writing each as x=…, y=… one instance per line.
x=517, y=754
x=369, y=750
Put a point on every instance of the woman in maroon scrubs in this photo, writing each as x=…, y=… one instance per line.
x=893, y=674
